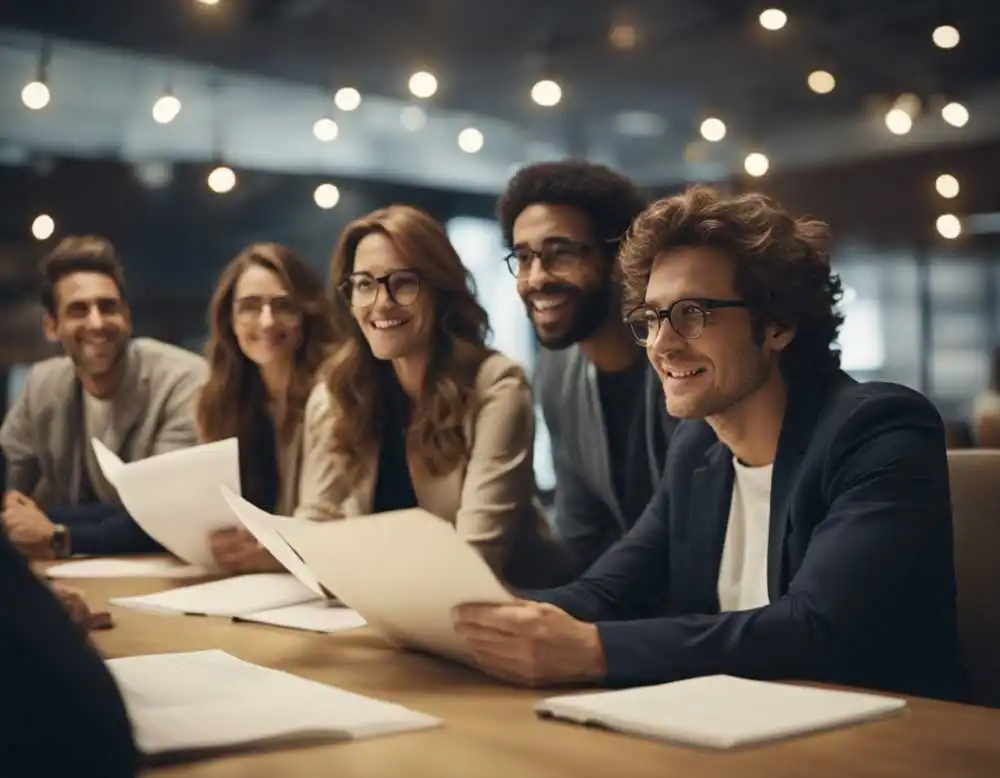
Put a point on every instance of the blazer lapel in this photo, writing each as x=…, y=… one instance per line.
x=131, y=400
x=711, y=494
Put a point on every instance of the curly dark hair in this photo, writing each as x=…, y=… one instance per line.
x=610, y=200
x=782, y=265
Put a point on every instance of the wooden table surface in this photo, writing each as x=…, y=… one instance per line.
x=490, y=730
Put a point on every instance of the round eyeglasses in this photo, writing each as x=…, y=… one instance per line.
x=557, y=255
x=687, y=317
x=361, y=289
x=283, y=308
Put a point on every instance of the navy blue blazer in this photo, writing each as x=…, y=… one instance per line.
x=860, y=569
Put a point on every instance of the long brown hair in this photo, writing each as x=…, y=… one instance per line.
x=234, y=402
x=360, y=385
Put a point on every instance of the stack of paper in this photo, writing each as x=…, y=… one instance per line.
x=720, y=711
x=208, y=701
x=175, y=497
x=321, y=616
x=124, y=568
x=403, y=571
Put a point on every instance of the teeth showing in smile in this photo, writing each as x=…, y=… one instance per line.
x=387, y=324
x=685, y=373
x=547, y=303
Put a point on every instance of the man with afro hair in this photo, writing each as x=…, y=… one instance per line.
x=563, y=223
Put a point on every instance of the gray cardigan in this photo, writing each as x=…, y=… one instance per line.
x=589, y=516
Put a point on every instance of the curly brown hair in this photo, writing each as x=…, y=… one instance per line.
x=782, y=265
x=360, y=386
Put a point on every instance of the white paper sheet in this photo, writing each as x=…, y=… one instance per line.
x=210, y=701
x=403, y=571
x=228, y=597
x=266, y=528
x=124, y=568
x=720, y=711
x=175, y=496
x=309, y=616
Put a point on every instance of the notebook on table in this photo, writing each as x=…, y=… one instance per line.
x=720, y=711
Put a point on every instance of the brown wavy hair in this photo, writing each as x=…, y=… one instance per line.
x=234, y=402
x=782, y=265
x=361, y=386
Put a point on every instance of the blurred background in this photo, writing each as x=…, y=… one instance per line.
x=183, y=130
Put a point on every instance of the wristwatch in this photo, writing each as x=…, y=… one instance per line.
x=60, y=541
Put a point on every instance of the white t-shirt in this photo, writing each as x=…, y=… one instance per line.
x=743, y=570
x=97, y=415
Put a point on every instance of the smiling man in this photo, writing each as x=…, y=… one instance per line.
x=135, y=396
x=564, y=222
x=802, y=529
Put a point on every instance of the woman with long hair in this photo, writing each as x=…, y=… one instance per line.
x=414, y=409
x=271, y=327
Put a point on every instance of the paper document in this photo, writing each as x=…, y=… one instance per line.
x=720, y=711
x=267, y=528
x=228, y=597
x=403, y=571
x=124, y=568
x=209, y=701
x=175, y=496
x=318, y=616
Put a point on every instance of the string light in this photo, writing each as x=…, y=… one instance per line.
x=546, y=92
x=221, y=180
x=946, y=36
x=822, y=82
x=325, y=130
x=166, y=108
x=898, y=121
x=43, y=227
x=326, y=196
x=956, y=114
x=949, y=226
x=423, y=84
x=36, y=95
x=947, y=186
x=756, y=164
x=347, y=99
x=773, y=19
x=470, y=140
x=713, y=129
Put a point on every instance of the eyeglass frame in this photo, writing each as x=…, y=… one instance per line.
x=345, y=287
x=577, y=249
x=705, y=304
x=251, y=315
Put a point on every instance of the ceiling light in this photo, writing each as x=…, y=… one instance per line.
x=43, y=226
x=948, y=226
x=35, y=95
x=413, y=118
x=326, y=196
x=470, y=140
x=898, y=121
x=956, y=114
x=822, y=82
x=166, y=109
x=423, y=84
x=756, y=164
x=713, y=129
x=325, y=130
x=773, y=19
x=546, y=92
x=221, y=180
x=347, y=99
x=946, y=37
x=947, y=186
x=209, y=2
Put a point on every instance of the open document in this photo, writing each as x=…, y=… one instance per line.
x=175, y=497
x=402, y=571
x=719, y=711
x=207, y=702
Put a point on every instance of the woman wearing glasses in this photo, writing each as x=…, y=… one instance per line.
x=270, y=329
x=415, y=410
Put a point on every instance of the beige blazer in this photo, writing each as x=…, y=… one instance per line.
x=153, y=412
x=290, y=459
x=489, y=498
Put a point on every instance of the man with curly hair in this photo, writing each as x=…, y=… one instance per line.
x=602, y=403
x=803, y=526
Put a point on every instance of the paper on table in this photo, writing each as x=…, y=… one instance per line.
x=318, y=616
x=175, y=496
x=228, y=597
x=209, y=701
x=403, y=571
x=266, y=528
x=124, y=568
x=720, y=711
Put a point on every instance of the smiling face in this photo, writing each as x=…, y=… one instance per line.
x=571, y=298
x=267, y=321
x=391, y=305
x=712, y=374
x=92, y=322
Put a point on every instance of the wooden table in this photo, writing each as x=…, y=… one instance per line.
x=490, y=730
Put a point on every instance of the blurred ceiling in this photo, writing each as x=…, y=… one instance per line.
x=638, y=77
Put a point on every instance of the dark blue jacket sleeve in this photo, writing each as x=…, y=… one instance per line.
x=102, y=529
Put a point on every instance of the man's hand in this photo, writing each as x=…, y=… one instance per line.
x=531, y=643
x=78, y=609
x=27, y=527
x=237, y=551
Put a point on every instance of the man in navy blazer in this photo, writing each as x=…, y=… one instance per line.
x=807, y=533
